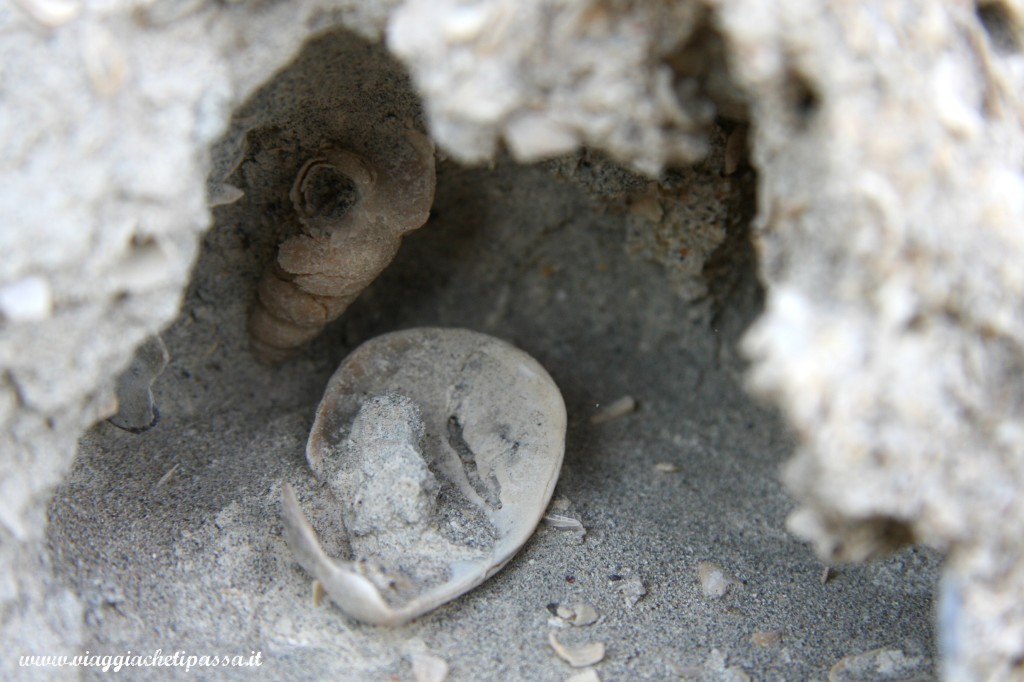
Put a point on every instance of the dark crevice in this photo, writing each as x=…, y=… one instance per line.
x=999, y=26
x=329, y=193
x=701, y=72
x=804, y=99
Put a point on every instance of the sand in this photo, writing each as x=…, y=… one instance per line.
x=172, y=537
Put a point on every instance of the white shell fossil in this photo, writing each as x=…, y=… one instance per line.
x=442, y=447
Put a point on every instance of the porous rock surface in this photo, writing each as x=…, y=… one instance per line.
x=890, y=214
x=887, y=141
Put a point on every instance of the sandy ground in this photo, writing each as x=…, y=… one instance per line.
x=172, y=537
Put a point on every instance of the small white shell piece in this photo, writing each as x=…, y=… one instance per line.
x=577, y=656
x=613, y=410
x=714, y=581
x=578, y=614
x=443, y=447
x=51, y=13
x=26, y=300
x=429, y=668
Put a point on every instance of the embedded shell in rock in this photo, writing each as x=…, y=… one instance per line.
x=443, y=447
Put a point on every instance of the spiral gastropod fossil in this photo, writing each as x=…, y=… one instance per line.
x=353, y=210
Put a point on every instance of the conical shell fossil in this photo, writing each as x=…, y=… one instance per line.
x=443, y=447
x=354, y=212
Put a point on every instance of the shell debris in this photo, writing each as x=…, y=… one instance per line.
x=27, y=300
x=535, y=136
x=429, y=668
x=714, y=581
x=560, y=504
x=631, y=589
x=168, y=476
x=318, y=593
x=105, y=63
x=736, y=150
x=877, y=665
x=716, y=668
x=613, y=410
x=136, y=410
x=579, y=614
x=766, y=638
x=222, y=194
x=560, y=522
x=588, y=675
x=578, y=656
x=666, y=467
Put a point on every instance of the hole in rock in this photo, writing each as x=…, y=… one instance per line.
x=1005, y=36
x=803, y=99
x=617, y=284
x=330, y=193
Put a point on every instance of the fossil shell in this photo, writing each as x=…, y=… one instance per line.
x=354, y=212
x=577, y=614
x=578, y=656
x=136, y=410
x=443, y=447
x=613, y=410
x=878, y=665
x=714, y=581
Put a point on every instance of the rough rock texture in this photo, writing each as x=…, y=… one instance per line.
x=891, y=208
x=539, y=75
x=888, y=144
x=110, y=110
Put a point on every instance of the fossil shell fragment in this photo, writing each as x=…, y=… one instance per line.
x=443, y=447
x=136, y=410
x=353, y=211
x=577, y=614
x=714, y=581
x=579, y=656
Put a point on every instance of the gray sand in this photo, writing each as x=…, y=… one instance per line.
x=195, y=560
